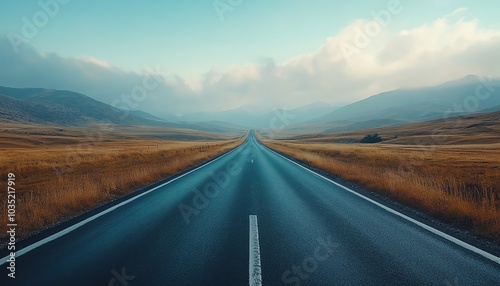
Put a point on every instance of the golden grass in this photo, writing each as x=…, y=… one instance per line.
x=458, y=184
x=471, y=129
x=58, y=180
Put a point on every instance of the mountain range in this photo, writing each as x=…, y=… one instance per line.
x=255, y=117
x=38, y=105
x=61, y=107
x=471, y=94
x=468, y=95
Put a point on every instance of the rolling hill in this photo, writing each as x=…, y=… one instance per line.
x=481, y=128
x=37, y=105
x=394, y=108
x=254, y=117
x=403, y=106
x=60, y=107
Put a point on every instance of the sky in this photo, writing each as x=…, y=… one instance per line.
x=177, y=57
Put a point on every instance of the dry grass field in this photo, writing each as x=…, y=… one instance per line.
x=63, y=172
x=457, y=183
x=471, y=129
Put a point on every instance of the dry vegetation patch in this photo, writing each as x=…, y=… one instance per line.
x=73, y=174
x=459, y=184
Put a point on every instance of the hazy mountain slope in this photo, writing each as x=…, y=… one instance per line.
x=300, y=114
x=491, y=109
x=146, y=115
x=67, y=107
x=13, y=109
x=210, y=126
x=418, y=104
x=37, y=105
x=244, y=116
x=253, y=117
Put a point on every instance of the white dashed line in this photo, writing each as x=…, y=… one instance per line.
x=254, y=269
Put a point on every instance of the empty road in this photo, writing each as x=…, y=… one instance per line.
x=250, y=217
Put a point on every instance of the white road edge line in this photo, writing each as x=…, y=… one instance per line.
x=254, y=269
x=422, y=225
x=83, y=222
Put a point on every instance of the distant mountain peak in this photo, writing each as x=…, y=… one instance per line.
x=468, y=79
x=471, y=76
x=319, y=104
x=252, y=109
x=416, y=104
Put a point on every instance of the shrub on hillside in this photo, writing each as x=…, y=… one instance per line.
x=371, y=138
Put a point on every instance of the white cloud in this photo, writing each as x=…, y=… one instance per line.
x=430, y=54
x=96, y=61
x=448, y=48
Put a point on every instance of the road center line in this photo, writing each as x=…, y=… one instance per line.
x=254, y=269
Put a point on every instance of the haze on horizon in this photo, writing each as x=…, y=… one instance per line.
x=219, y=55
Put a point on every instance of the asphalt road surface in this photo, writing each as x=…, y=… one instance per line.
x=251, y=217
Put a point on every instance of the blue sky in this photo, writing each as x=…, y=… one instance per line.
x=189, y=39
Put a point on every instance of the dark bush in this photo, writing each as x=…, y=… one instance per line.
x=371, y=138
